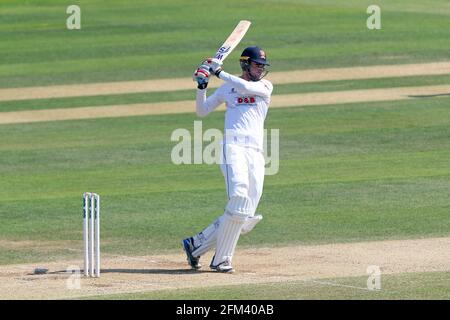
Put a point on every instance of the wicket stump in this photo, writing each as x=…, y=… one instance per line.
x=91, y=234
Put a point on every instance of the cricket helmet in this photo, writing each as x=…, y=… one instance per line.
x=255, y=54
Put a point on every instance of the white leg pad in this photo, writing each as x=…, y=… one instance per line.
x=250, y=223
x=238, y=205
x=236, y=212
x=206, y=240
x=227, y=238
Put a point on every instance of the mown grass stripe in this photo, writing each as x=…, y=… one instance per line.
x=177, y=84
x=278, y=101
x=149, y=97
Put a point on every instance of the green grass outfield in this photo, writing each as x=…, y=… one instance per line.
x=167, y=38
x=350, y=172
x=152, y=97
x=353, y=172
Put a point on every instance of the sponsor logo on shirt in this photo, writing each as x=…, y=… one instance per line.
x=245, y=100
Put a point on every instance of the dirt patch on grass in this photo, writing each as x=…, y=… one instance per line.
x=278, y=101
x=122, y=274
x=164, y=85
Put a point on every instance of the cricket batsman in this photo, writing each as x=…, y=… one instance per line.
x=247, y=100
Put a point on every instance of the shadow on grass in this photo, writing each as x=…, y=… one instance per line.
x=431, y=95
x=155, y=271
x=143, y=271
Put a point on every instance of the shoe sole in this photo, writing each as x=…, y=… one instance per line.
x=226, y=271
x=222, y=270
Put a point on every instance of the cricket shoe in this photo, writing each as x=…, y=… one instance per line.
x=224, y=267
x=188, y=246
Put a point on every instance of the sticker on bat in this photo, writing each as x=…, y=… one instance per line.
x=223, y=49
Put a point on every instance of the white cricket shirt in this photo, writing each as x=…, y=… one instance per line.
x=247, y=104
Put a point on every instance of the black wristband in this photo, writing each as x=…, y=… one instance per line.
x=218, y=71
x=202, y=86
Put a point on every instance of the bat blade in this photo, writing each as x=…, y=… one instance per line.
x=233, y=40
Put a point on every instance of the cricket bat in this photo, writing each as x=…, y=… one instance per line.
x=233, y=40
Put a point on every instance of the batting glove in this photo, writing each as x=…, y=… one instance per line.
x=201, y=75
x=215, y=66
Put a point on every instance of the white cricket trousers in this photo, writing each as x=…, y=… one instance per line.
x=243, y=170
